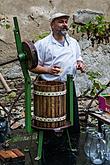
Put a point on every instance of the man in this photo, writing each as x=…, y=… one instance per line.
x=58, y=53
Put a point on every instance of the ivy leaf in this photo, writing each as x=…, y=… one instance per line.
x=41, y=36
x=97, y=85
x=93, y=92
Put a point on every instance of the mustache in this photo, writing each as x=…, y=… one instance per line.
x=65, y=28
x=63, y=31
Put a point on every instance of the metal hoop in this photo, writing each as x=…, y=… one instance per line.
x=50, y=93
x=54, y=119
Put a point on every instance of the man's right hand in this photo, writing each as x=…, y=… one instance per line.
x=54, y=70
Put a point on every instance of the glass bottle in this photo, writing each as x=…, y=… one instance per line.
x=103, y=128
x=97, y=149
x=88, y=140
x=107, y=138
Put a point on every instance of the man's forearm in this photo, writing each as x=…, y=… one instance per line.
x=40, y=69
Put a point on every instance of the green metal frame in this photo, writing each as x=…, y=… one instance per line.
x=40, y=144
x=70, y=99
x=22, y=59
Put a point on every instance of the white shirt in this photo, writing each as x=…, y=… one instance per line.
x=52, y=53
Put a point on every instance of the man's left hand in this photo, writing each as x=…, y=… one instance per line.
x=80, y=66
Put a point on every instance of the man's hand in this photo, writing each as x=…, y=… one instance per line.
x=55, y=70
x=80, y=66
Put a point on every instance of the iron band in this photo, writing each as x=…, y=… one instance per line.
x=50, y=93
x=54, y=119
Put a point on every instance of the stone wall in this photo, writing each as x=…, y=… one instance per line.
x=33, y=16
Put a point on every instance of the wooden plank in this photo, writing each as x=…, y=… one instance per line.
x=4, y=154
x=7, y=154
x=11, y=154
x=104, y=117
x=18, y=152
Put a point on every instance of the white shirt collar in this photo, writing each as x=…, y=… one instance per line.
x=58, y=43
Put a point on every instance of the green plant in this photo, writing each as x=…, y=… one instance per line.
x=4, y=22
x=96, y=84
x=41, y=36
x=10, y=97
x=97, y=30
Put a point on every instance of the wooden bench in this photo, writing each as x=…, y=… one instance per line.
x=104, y=105
x=101, y=117
x=13, y=156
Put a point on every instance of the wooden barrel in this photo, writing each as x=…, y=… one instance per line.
x=49, y=104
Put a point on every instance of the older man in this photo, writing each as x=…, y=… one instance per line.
x=58, y=54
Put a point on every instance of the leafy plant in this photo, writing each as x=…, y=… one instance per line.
x=10, y=97
x=41, y=36
x=97, y=30
x=4, y=22
x=96, y=84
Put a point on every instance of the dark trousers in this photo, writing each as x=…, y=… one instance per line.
x=57, y=145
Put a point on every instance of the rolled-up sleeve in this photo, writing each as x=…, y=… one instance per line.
x=40, y=52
